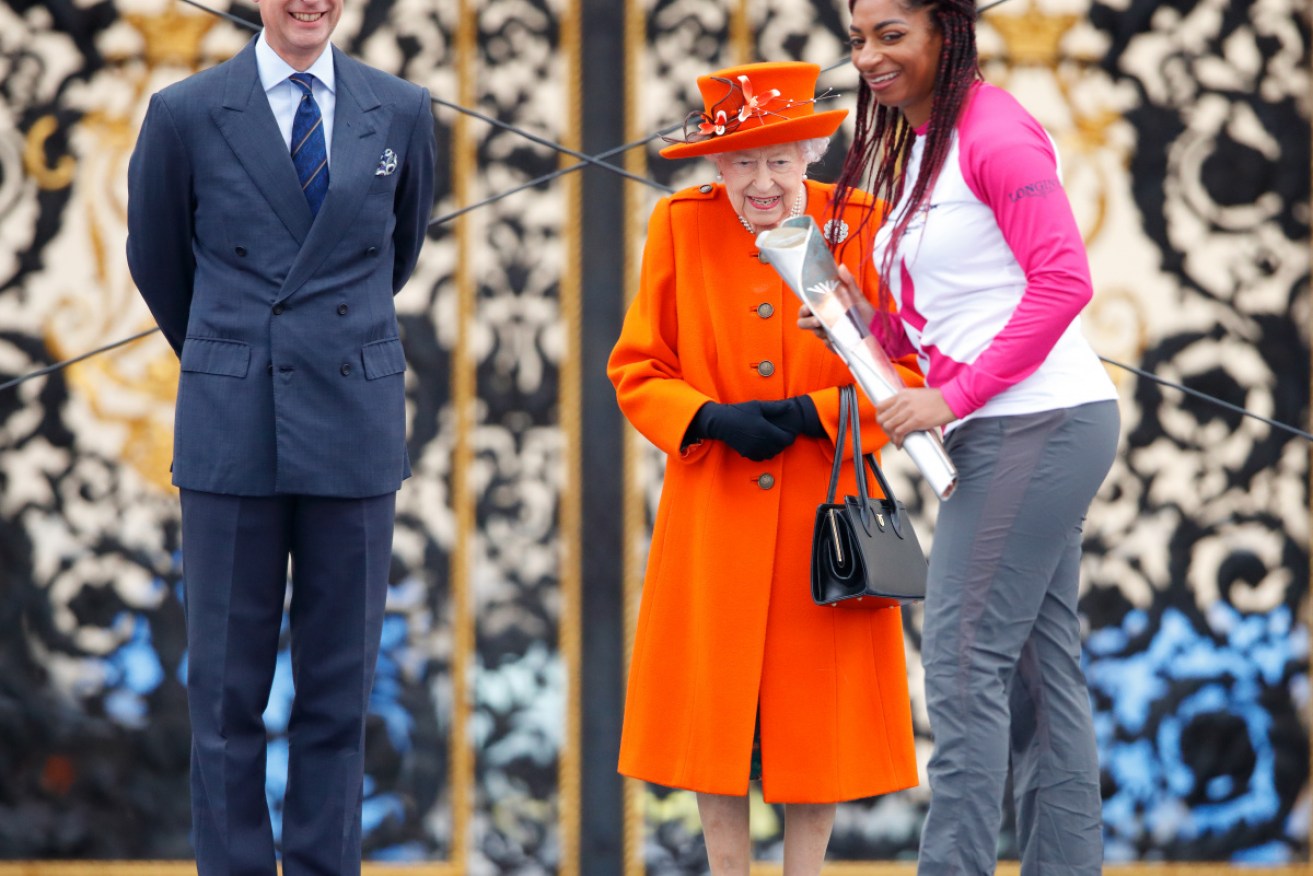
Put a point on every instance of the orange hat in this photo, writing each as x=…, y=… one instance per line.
x=755, y=105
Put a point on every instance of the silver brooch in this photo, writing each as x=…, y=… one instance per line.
x=387, y=165
x=835, y=231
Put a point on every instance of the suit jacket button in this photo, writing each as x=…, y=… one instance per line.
x=705, y=189
x=341, y=310
x=372, y=251
x=345, y=369
x=241, y=251
x=766, y=481
x=278, y=310
x=765, y=310
x=766, y=369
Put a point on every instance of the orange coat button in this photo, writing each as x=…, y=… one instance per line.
x=766, y=481
x=765, y=311
x=766, y=369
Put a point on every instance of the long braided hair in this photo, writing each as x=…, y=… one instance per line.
x=882, y=142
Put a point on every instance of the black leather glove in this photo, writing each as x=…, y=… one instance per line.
x=796, y=414
x=742, y=426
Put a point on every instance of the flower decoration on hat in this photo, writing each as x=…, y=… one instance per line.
x=712, y=127
x=754, y=105
x=700, y=125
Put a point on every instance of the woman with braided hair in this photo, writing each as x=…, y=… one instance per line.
x=981, y=253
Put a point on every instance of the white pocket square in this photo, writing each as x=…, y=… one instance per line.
x=387, y=164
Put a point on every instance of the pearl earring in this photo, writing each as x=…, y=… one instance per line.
x=719, y=177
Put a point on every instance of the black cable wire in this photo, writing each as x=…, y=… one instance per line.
x=59, y=366
x=548, y=177
x=594, y=160
x=616, y=150
x=585, y=160
x=597, y=161
x=543, y=141
x=1208, y=398
x=237, y=20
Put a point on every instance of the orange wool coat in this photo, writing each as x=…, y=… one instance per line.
x=727, y=630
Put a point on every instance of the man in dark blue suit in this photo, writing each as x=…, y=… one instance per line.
x=276, y=204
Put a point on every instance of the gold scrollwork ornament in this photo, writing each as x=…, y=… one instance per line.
x=48, y=178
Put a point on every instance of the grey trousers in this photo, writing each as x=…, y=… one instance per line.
x=1001, y=645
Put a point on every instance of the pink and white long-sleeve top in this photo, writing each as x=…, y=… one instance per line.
x=991, y=274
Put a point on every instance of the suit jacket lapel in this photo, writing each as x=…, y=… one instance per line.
x=359, y=124
x=247, y=123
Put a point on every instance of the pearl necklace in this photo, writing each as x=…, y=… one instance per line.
x=793, y=213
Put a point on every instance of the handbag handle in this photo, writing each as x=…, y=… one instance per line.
x=847, y=410
x=839, y=437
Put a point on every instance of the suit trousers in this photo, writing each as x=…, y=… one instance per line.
x=1001, y=646
x=235, y=569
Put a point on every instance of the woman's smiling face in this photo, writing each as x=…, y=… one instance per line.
x=896, y=49
x=762, y=184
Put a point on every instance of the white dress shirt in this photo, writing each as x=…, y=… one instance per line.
x=284, y=96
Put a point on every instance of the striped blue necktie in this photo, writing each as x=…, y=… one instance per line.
x=309, y=151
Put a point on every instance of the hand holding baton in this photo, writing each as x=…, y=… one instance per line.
x=798, y=253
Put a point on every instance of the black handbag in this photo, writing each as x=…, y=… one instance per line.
x=864, y=550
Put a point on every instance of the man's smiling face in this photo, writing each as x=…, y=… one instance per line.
x=298, y=30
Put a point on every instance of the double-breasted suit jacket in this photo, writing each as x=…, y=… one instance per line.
x=292, y=369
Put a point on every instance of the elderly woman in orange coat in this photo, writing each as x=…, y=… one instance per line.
x=732, y=660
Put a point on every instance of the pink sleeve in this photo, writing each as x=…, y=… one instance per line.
x=1011, y=167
